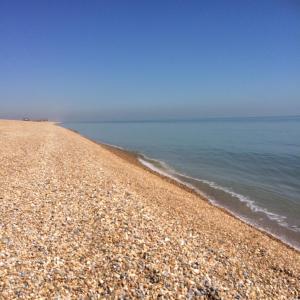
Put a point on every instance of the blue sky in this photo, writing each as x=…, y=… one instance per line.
x=123, y=60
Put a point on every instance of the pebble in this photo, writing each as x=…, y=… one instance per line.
x=79, y=221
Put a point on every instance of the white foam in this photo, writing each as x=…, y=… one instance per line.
x=279, y=219
x=113, y=146
x=249, y=203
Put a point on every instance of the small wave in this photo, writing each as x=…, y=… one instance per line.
x=151, y=163
x=113, y=146
x=166, y=170
x=248, y=202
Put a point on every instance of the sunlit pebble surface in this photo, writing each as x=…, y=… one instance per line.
x=76, y=221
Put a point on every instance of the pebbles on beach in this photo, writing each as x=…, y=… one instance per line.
x=77, y=221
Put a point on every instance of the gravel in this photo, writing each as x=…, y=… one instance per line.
x=80, y=222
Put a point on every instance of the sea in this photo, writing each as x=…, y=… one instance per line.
x=249, y=166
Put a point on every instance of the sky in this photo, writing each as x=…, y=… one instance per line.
x=140, y=60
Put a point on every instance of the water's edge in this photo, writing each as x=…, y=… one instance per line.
x=147, y=163
x=203, y=195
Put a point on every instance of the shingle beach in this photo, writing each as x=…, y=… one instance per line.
x=78, y=221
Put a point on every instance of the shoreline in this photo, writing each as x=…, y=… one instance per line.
x=78, y=220
x=133, y=158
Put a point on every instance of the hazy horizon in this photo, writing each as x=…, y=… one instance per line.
x=146, y=120
x=149, y=60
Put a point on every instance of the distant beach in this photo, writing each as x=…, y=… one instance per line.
x=82, y=219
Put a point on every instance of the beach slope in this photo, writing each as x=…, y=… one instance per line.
x=78, y=220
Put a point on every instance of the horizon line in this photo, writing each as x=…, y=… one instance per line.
x=180, y=120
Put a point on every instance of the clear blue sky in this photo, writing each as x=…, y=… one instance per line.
x=122, y=60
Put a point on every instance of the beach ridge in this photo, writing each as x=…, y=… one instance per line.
x=133, y=157
x=82, y=219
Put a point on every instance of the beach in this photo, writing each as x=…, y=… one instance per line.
x=79, y=219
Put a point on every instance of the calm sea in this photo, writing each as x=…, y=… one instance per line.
x=250, y=166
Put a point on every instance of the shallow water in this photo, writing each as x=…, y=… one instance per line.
x=251, y=166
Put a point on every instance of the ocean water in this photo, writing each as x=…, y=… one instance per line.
x=249, y=166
